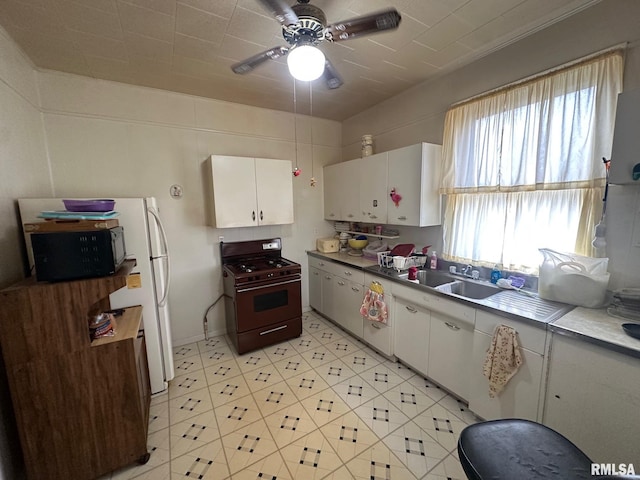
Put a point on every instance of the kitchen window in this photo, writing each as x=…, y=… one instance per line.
x=523, y=165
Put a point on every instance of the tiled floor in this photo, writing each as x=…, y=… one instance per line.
x=321, y=406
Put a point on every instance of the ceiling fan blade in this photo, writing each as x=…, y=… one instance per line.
x=281, y=11
x=250, y=63
x=330, y=76
x=356, y=27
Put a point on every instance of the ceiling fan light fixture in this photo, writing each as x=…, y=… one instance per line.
x=305, y=62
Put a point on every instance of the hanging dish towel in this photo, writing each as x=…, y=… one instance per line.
x=373, y=307
x=503, y=359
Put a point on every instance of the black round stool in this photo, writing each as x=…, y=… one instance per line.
x=513, y=449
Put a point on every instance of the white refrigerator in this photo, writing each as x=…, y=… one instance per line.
x=146, y=241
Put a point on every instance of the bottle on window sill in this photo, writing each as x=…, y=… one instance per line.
x=495, y=274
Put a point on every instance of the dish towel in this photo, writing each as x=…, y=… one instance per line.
x=374, y=308
x=503, y=359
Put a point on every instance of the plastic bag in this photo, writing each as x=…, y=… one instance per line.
x=573, y=279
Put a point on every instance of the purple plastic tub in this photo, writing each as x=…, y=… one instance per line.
x=99, y=205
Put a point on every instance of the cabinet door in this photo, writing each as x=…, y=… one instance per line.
x=373, y=188
x=520, y=397
x=234, y=191
x=450, y=347
x=414, y=174
x=411, y=335
x=328, y=299
x=350, y=194
x=626, y=141
x=332, y=190
x=274, y=187
x=348, y=300
x=592, y=399
x=315, y=288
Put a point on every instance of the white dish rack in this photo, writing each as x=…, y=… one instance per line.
x=386, y=260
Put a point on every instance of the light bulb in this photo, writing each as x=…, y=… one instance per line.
x=305, y=62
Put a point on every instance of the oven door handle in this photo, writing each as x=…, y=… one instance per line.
x=250, y=289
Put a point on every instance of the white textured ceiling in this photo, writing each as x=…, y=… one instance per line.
x=188, y=46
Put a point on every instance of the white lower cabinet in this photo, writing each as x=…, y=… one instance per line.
x=376, y=334
x=348, y=299
x=315, y=288
x=411, y=336
x=593, y=398
x=328, y=295
x=522, y=396
x=450, y=345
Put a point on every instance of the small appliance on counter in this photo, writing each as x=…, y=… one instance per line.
x=327, y=245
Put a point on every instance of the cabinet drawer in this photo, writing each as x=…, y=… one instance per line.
x=531, y=338
x=436, y=303
x=352, y=274
x=318, y=263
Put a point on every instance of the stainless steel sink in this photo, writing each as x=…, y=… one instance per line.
x=429, y=278
x=474, y=290
x=455, y=285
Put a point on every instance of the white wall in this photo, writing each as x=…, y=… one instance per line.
x=23, y=171
x=418, y=114
x=108, y=139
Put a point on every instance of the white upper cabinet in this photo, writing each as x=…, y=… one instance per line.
x=626, y=140
x=414, y=175
x=373, y=188
x=360, y=190
x=342, y=191
x=251, y=191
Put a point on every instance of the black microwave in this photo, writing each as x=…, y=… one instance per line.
x=73, y=255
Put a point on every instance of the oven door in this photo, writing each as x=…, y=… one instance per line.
x=260, y=306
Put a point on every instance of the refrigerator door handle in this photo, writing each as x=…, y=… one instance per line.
x=165, y=244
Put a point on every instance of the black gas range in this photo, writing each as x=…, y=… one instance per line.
x=262, y=291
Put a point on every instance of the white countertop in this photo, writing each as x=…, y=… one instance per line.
x=597, y=326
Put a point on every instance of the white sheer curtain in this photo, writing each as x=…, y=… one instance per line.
x=523, y=166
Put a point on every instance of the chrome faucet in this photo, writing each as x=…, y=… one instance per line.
x=466, y=271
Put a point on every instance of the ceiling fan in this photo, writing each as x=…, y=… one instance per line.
x=304, y=27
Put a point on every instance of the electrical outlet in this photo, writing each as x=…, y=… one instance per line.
x=221, y=238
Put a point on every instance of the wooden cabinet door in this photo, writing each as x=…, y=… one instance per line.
x=373, y=188
x=411, y=335
x=234, y=191
x=414, y=174
x=274, y=187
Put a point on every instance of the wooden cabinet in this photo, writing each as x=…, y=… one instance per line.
x=359, y=190
x=81, y=407
x=250, y=191
x=592, y=398
x=522, y=396
x=626, y=141
x=411, y=336
x=414, y=173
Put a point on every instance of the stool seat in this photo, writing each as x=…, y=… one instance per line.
x=519, y=449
